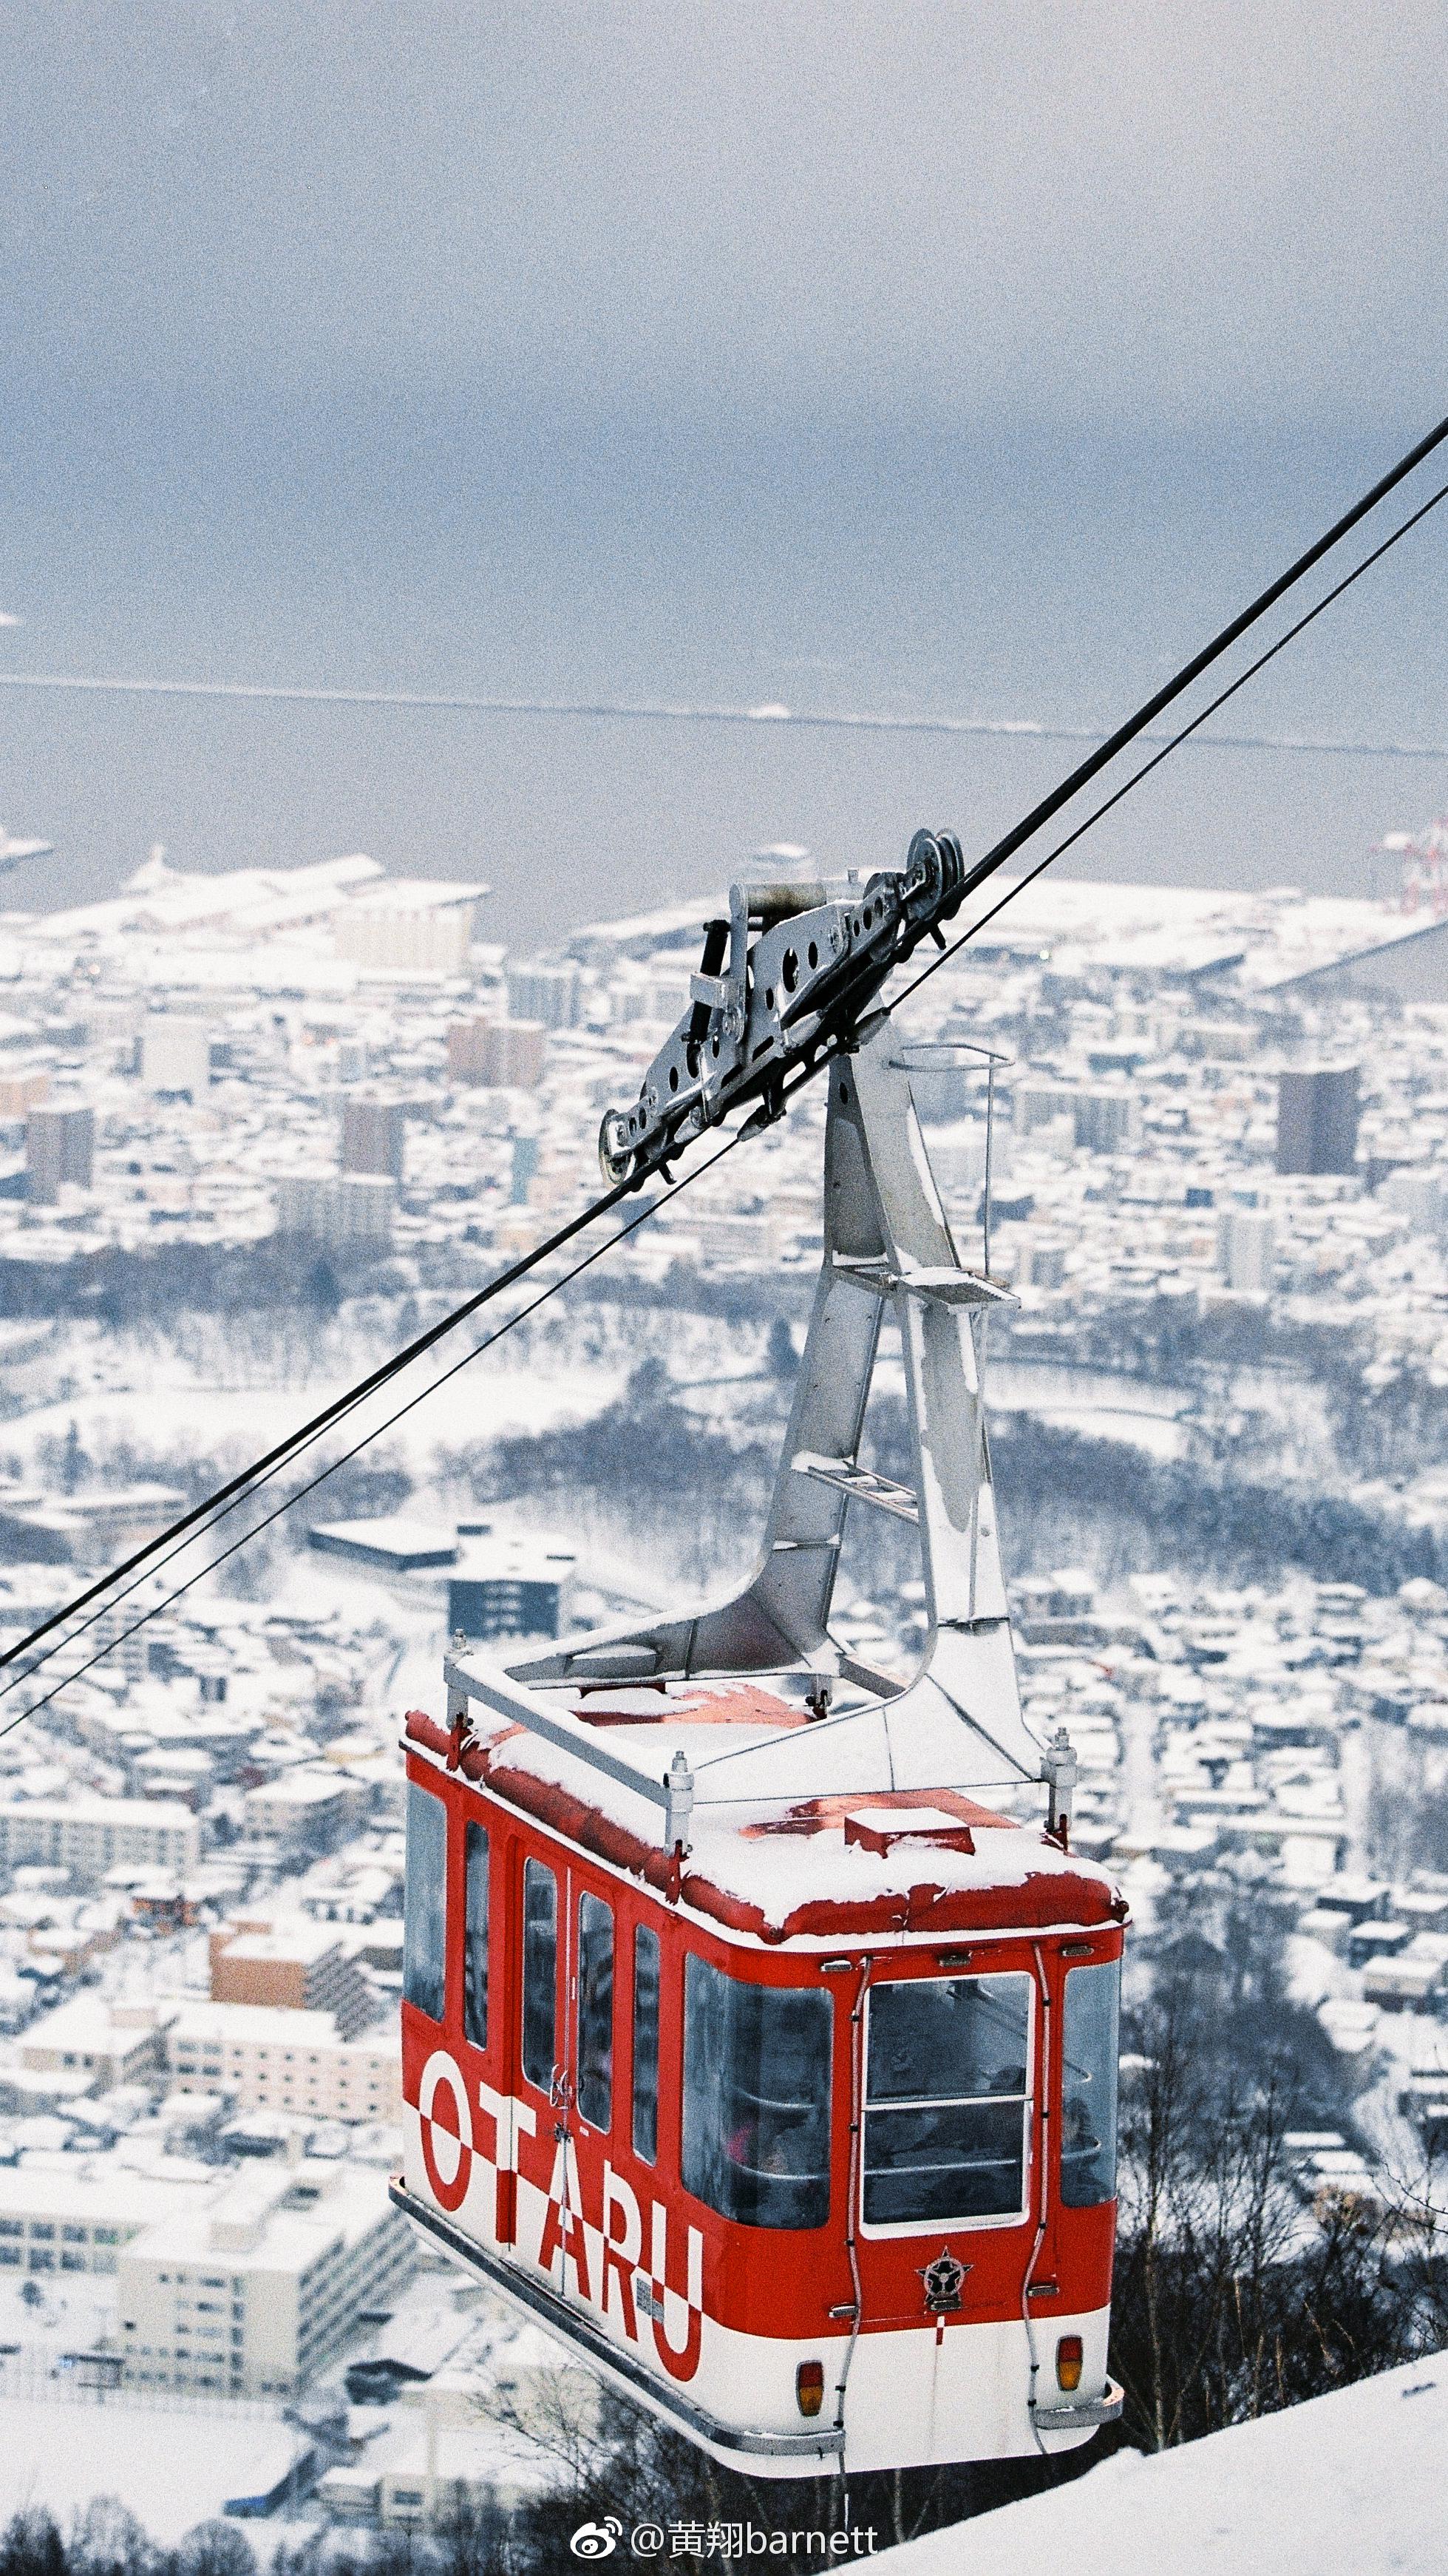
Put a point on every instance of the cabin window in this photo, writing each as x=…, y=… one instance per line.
x=945, y=2100
x=424, y=1944
x=540, y=1974
x=475, y=1951
x=646, y=2044
x=756, y=2099
x=595, y=2012
x=1088, y=2084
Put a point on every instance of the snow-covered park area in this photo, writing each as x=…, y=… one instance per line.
x=171, y=2468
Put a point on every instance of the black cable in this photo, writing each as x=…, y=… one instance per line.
x=260, y=1468
x=1020, y=883
x=155, y=1608
x=249, y=1478
x=299, y=1495
x=1050, y=806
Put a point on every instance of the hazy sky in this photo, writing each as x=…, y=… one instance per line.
x=852, y=355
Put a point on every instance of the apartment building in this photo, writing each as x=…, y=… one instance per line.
x=252, y=2293
x=296, y=1966
x=374, y=1134
x=90, y=1834
x=59, y=1149
x=497, y=1052
x=76, y=2213
x=110, y=2043
x=241, y=2285
x=276, y=2058
x=311, y=1808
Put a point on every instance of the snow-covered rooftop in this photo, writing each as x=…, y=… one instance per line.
x=841, y=1847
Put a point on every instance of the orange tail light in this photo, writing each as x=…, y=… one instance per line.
x=809, y=2387
x=1069, y=2357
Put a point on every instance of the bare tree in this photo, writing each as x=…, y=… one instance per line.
x=1235, y=2296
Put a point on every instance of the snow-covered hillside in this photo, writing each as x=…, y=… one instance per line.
x=1349, y=2482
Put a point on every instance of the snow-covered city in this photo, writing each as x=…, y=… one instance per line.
x=723, y=1289
x=260, y=1129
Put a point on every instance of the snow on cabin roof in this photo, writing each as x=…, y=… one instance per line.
x=689, y=1704
x=775, y=1859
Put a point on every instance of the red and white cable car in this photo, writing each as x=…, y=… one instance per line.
x=745, y=2044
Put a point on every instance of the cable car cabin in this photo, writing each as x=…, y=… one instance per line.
x=809, y=2142
x=746, y=2043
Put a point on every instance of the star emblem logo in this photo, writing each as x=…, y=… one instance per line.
x=944, y=2280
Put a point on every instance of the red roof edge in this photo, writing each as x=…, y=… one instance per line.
x=1033, y=1905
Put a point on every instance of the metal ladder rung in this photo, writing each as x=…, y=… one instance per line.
x=858, y=1483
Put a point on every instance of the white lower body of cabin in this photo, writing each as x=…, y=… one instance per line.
x=918, y=2396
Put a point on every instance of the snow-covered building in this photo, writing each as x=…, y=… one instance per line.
x=272, y=2057
x=91, y=1835
x=249, y=2292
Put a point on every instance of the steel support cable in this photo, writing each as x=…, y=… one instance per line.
x=258, y=1470
x=154, y=1609
x=253, y=1482
x=248, y=1479
x=1173, y=743
x=1081, y=776
x=1098, y=812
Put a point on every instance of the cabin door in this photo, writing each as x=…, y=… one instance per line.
x=566, y=2026
x=544, y=2081
x=585, y=2088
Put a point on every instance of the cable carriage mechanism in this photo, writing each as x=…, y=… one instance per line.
x=745, y=2045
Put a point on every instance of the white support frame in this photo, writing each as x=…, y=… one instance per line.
x=888, y=1248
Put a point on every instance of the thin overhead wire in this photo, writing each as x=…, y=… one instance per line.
x=1191, y=671
x=247, y=1478
x=1173, y=743
x=196, y=1537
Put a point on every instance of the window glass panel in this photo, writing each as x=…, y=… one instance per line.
x=1088, y=2084
x=756, y=2099
x=945, y=2160
x=475, y=1950
x=540, y=1974
x=646, y=2045
x=595, y=2012
x=945, y=2100
x=948, y=2038
x=424, y=1954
